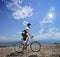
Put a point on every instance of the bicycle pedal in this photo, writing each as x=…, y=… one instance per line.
x=24, y=48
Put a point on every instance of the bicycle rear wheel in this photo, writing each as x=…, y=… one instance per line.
x=35, y=46
x=18, y=47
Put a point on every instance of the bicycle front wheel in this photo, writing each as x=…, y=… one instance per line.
x=35, y=46
x=18, y=47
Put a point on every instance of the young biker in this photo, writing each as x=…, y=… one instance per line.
x=26, y=33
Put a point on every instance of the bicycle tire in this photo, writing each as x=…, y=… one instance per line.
x=36, y=43
x=18, y=47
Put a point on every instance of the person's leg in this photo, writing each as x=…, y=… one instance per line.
x=25, y=37
x=26, y=41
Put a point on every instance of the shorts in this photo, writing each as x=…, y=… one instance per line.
x=24, y=36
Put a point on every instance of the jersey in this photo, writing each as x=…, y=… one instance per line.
x=27, y=28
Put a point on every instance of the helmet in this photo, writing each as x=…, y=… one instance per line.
x=28, y=24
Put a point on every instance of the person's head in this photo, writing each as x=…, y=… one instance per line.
x=29, y=25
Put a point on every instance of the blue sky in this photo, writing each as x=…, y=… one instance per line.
x=44, y=15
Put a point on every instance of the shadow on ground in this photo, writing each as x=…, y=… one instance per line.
x=56, y=55
x=34, y=55
x=15, y=54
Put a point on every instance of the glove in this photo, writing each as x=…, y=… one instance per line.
x=32, y=36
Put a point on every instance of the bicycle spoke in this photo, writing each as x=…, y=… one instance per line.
x=18, y=47
x=35, y=46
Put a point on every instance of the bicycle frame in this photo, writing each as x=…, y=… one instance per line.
x=30, y=41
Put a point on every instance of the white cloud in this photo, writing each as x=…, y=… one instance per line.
x=25, y=23
x=52, y=8
x=19, y=12
x=17, y=1
x=51, y=34
x=48, y=30
x=57, y=35
x=41, y=31
x=14, y=4
x=47, y=21
x=5, y=38
x=18, y=32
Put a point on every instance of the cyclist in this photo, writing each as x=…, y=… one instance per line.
x=26, y=33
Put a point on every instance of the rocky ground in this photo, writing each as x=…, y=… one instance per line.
x=52, y=50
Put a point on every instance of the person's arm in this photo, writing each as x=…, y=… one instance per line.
x=28, y=33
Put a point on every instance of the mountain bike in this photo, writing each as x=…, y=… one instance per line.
x=35, y=46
